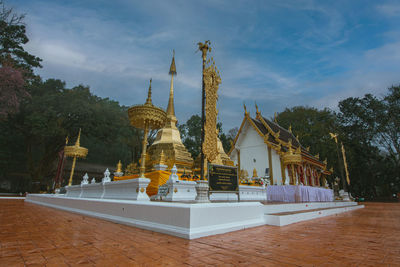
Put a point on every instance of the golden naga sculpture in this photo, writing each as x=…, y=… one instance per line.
x=212, y=80
x=75, y=151
x=146, y=117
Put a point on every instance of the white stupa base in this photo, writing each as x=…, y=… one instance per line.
x=181, y=191
x=73, y=191
x=134, y=189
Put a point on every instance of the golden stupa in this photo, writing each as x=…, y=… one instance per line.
x=168, y=138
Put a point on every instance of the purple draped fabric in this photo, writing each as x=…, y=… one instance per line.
x=298, y=193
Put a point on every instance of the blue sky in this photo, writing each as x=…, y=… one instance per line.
x=278, y=53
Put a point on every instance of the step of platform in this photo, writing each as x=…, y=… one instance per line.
x=290, y=207
x=286, y=217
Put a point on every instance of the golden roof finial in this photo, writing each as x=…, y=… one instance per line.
x=245, y=110
x=290, y=146
x=78, y=140
x=325, y=161
x=317, y=156
x=148, y=101
x=66, y=140
x=275, y=118
x=290, y=128
x=257, y=111
x=119, y=166
x=308, y=149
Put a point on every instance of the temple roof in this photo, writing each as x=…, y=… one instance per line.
x=269, y=131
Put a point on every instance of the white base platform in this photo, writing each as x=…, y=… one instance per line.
x=191, y=221
x=179, y=219
x=277, y=214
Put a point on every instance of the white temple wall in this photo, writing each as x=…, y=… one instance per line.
x=253, y=151
x=276, y=167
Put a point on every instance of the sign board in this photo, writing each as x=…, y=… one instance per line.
x=223, y=178
x=162, y=190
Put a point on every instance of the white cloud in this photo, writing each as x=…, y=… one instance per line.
x=390, y=9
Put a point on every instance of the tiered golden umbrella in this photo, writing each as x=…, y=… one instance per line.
x=75, y=151
x=292, y=158
x=147, y=117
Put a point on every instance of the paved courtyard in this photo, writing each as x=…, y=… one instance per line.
x=34, y=235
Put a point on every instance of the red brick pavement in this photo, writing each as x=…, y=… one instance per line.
x=34, y=235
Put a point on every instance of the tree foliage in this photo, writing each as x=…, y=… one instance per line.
x=12, y=38
x=16, y=64
x=370, y=131
x=191, y=135
x=36, y=134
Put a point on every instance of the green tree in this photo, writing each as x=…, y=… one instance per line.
x=191, y=135
x=36, y=134
x=312, y=126
x=371, y=128
x=16, y=65
x=13, y=38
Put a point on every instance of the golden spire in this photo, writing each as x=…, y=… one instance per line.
x=148, y=101
x=119, y=166
x=78, y=140
x=172, y=69
x=172, y=72
x=255, y=173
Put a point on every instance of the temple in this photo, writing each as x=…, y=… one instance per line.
x=264, y=149
x=168, y=138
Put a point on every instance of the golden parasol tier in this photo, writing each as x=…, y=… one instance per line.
x=75, y=151
x=147, y=117
x=292, y=158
